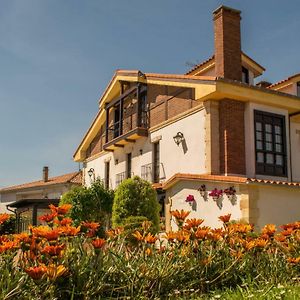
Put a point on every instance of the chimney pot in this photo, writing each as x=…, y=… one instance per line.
x=45, y=174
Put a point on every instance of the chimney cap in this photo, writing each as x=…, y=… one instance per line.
x=227, y=8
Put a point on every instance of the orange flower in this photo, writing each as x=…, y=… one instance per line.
x=64, y=222
x=48, y=217
x=46, y=232
x=249, y=245
x=170, y=236
x=54, y=271
x=260, y=243
x=288, y=231
x=148, y=251
x=269, y=229
x=225, y=218
x=92, y=227
x=114, y=232
x=150, y=239
x=4, y=217
x=53, y=250
x=36, y=273
x=60, y=210
x=180, y=214
x=280, y=238
x=69, y=230
x=202, y=233
x=98, y=243
x=182, y=236
x=7, y=246
x=294, y=260
x=138, y=236
x=240, y=228
x=192, y=224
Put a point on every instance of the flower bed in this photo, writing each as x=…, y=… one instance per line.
x=60, y=261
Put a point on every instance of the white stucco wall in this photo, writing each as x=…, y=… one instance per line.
x=295, y=150
x=185, y=158
x=278, y=205
x=205, y=208
x=250, y=139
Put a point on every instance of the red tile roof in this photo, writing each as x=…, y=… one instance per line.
x=283, y=80
x=72, y=178
x=220, y=178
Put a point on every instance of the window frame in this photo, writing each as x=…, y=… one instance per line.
x=156, y=162
x=298, y=89
x=247, y=75
x=264, y=168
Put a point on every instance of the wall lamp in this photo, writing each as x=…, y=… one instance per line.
x=178, y=138
x=91, y=172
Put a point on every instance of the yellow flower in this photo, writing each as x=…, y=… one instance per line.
x=54, y=271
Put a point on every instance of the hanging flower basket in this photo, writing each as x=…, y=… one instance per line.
x=216, y=194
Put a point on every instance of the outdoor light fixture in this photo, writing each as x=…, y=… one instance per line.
x=178, y=138
x=91, y=172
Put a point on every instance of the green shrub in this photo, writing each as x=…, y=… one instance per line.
x=89, y=203
x=135, y=197
x=9, y=226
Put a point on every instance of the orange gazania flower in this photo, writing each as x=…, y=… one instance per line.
x=138, y=236
x=46, y=232
x=114, y=232
x=7, y=246
x=269, y=229
x=54, y=271
x=60, y=210
x=170, y=236
x=293, y=260
x=202, y=233
x=150, y=239
x=182, y=236
x=69, y=230
x=92, y=227
x=180, y=214
x=192, y=224
x=53, y=250
x=261, y=243
x=225, y=218
x=48, y=217
x=4, y=217
x=36, y=273
x=63, y=222
x=98, y=243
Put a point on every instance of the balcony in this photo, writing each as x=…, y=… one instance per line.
x=126, y=118
x=151, y=172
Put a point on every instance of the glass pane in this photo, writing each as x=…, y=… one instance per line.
x=277, y=129
x=258, y=126
x=278, y=148
x=259, y=145
x=258, y=135
x=268, y=137
x=278, y=139
x=270, y=158
x=260, y=157
x=269, y=146
x=268, y=128
x=279, y=160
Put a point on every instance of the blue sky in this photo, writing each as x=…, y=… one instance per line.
x=57, y=56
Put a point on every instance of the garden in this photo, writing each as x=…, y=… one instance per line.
x=110, y=246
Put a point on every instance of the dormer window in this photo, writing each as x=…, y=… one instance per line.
x=298, y=88
x=245, y=75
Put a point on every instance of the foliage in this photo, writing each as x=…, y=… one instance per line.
x=89, y=203
x=60, y=261
x=8, y=226
x=135, y=197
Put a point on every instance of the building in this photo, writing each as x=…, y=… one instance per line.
x=202, y=133
x=30, y=200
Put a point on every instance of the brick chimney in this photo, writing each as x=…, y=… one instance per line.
x=45, y=174
x=228, y=43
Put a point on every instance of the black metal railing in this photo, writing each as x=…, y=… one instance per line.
x=120, y=177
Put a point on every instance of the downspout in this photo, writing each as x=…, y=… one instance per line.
x=290, y=143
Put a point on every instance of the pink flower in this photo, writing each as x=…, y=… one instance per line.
x=190, y=198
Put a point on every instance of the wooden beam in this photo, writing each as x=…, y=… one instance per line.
x=130, y=140
x=120, y=146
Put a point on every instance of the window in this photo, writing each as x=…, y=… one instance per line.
x=156, y=162
x=270, y=144
x=298, y=89
x=106, y=179
x=245, y=75
x=128, y=171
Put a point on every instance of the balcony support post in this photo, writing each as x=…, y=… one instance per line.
x=107, y=124
x=138, y=105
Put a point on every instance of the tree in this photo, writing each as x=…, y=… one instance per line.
x=89, y=203
x=135, y=197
